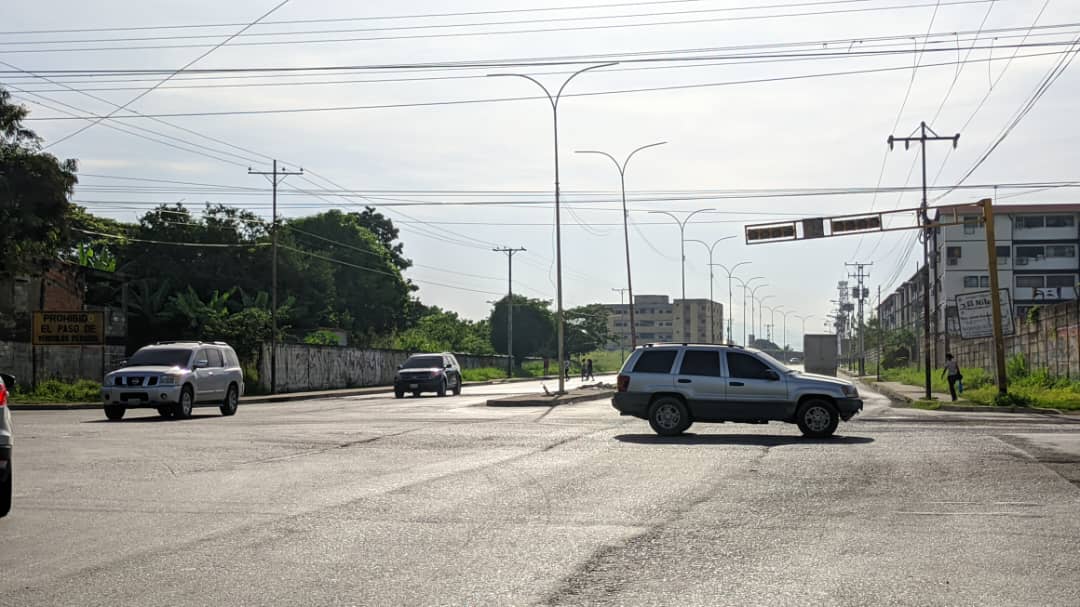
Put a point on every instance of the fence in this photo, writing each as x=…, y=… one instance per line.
x=302, y=367
x=1049, y=340
x=31, y=364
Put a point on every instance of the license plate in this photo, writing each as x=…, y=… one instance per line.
x=414, y=386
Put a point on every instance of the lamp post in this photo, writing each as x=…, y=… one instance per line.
x=560, y=331
x=626, y=228
x=730, y=325
x=711, y=248
x=682, y=254
x=804, y=319
x=761, y=311
x=785, y=314
x=745, y=286
x=772, y=321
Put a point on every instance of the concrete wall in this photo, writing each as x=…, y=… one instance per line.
x=66, y=363
x=1051, y=342
x=301, y=367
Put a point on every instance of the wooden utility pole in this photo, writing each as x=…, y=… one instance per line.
x=275, y=177
x=995, y=297
x=509, y=305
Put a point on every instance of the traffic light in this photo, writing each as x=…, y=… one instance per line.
x=855, y=224
x=784, y=231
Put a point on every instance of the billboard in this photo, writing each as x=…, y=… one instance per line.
x=974, y=311
x=69, y=329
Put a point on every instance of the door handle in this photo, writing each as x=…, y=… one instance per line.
x=684, y=381
x=736, y=383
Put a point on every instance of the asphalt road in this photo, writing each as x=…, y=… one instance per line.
x=443, y=501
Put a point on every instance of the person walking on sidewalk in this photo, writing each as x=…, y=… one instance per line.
x=589, y=370
x=952, y=373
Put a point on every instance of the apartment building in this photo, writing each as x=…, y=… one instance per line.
x=1036, y=250
x=659, y=319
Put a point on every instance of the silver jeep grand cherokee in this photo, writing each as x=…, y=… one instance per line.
x=173, y=377
x=674, y=386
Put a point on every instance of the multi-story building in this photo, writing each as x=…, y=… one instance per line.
x=1036, y=250
x=661, y=320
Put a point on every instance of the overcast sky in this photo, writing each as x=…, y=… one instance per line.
x=731, y=135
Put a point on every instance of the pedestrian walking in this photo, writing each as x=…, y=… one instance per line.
x=952, y=373
x=566, y=369
x=547, y=366
x=584, y=370
x=589, y=370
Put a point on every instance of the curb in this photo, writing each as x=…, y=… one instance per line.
x=549, y=402
x=904, y=402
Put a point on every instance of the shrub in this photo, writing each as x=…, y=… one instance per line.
x=56, y=391
x=1016, y=366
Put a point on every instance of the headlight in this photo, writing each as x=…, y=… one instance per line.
x=168, y=380
x=850, y=391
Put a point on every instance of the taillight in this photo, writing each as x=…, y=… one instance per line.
x=3, y=396
x=623, y=383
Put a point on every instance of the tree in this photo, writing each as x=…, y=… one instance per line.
x=34, y=191
x=444, y=331
x=587, y=328
x=534, y=327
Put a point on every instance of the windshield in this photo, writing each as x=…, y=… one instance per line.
x=160, y=358
x=779, y=365
x=423, y=362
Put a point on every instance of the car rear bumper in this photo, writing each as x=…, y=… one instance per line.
x=5, y=462
x=848, y=407
x=133, y=397
x=631, y=403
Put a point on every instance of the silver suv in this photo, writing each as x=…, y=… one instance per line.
x=173, y=377
x=673, y=386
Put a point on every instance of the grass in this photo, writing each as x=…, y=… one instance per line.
x=929, y=405
x=489, y=373
x=1035, y=389
x=55, y=391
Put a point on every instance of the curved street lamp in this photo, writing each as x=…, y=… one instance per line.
x=558, y=227
x=761, y=314
x=746, y=287
x=731, y=324
x=626, y=229
x=711, y=248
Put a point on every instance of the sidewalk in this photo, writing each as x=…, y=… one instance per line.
x=904, y=395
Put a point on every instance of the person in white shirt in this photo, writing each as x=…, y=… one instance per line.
x=952, y=373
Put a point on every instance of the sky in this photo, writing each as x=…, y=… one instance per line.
x=463, y=162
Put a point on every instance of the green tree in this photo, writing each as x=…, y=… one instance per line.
x=34, y=191
x=534, y=327
x=587, y=328
x=441, y=330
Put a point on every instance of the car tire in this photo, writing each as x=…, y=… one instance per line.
x=182, y=409
x=442, y=388
x=668, y=416
x=165, y=412
x=399, y=394
x=416, y=394
x=457, y=387
x=6, y=490
x=817, y=418
x=114, y=412
x=231, y=402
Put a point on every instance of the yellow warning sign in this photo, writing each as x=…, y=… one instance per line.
x=69, y=328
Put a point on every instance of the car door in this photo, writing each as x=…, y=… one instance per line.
x=701, y=376
x=206, y=376
x=755, y=391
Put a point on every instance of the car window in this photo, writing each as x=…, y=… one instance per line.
x=655, y=361
x=230, y=358
x=423, y=362
x=746, y=366
x=213, y=356
x=700, y=362
x=166, y=357
x=202, y=358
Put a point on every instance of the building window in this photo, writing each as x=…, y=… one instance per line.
x=1003, y=252
x=1066, y=250
x=970, y=223
x=1030, y=282
x=953, y=255
x=984, y=282
x=1024, y=254
x=1028, y=222
x=1061, y=280
x=974, y=281
x=1060, y=221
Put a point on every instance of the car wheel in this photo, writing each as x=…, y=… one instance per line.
x=182, y=409
x=232, y=401
x=6, y=490
x=457, y=387
x=442, y=388
x=399, y=394
x=114, y=412
x=669, y=417
x=416, y=394
x=165, y=412
x=817, y=418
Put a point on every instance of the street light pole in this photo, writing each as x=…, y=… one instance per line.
x=772, y=321
x=622, y=302
x=761, y=310
x=746, y=287
x=803, y=319
x=753, y=298
x=711, y=248
x=682, y=254
x=626, y=226
x=730, y=315
x=560, y=331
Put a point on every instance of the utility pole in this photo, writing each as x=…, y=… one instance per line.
x=275, y=177
x=861, y=293
x=925, y=134
x=622, y=302
x=881, y=334
x=510, y=305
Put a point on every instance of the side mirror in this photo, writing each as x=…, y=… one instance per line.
x=124, y=363
x=771, y=375
x=449, y=366
x=400, y=367
x=9, y=380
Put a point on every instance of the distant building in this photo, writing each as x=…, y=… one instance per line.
x=659, y=319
